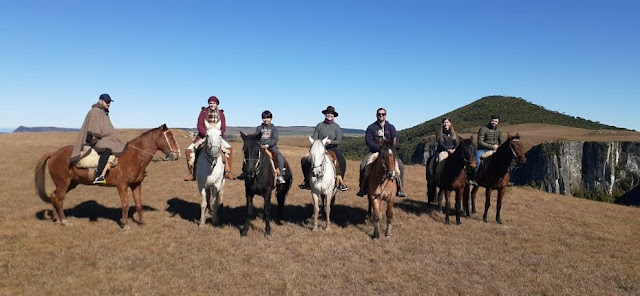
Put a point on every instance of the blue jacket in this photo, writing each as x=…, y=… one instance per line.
x=375, y=131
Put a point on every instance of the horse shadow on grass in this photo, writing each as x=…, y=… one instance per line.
x=341, y=215
x=94, y=211
x=420, y=208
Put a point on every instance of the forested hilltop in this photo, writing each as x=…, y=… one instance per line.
x=469, y=118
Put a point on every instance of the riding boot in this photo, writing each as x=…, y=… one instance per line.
x=227, y=165
x=363, y=181
x=188, y=155
x=400, y=193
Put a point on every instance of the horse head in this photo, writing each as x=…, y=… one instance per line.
x=516, y=147
x=316, y=156
x=168, y=144
x=252, y=153
x=387, y=154
x=468, y=153
x=213, y=141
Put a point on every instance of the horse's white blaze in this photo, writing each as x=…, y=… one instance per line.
x=210, y=173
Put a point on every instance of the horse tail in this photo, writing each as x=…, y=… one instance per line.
x=39, y=178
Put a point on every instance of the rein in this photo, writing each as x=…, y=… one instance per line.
x=153, y=158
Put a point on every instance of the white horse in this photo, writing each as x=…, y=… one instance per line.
x=322, y=179
x=210, y=173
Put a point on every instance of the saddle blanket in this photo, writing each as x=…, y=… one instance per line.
x=91, y=160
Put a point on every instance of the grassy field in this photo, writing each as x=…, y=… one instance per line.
x=549, y=244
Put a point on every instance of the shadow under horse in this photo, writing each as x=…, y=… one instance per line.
x=127, y=174
x=494, y=174
x=260, y=179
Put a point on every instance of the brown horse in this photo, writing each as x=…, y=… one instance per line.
x=128, y=173
x=454, y=176
x=493, y=173
x=382, y=184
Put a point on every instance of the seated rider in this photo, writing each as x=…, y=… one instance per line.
x=98, y=133
x=488, y=139
x=331, y=130
x=269, y=140
x=213, y=115
x=447, y=140
x=381, y=128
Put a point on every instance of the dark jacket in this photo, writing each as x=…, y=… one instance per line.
x=447, y=143
x=375, y=131
x=269, y=134
x=488, y=136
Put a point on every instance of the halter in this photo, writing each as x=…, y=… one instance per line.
x=513, y=151
x=211, y=154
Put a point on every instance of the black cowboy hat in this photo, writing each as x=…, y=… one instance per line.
x=331, y=110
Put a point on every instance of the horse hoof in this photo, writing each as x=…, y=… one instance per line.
x=499, y=221
x=327, y=228
x=314, y=229
x=65, y=223
x=126, y=227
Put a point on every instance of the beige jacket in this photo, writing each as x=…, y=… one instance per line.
x=97, y=132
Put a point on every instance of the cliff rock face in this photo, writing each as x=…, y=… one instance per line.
x=569, y=167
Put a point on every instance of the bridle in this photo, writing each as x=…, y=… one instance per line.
x=212, y=152
x=258, y=160
x=155, y=159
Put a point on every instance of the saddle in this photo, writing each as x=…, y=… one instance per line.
x=436, y=169
x=90, y=160
x=371, y=159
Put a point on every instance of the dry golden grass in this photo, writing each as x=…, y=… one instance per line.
x=549, y=244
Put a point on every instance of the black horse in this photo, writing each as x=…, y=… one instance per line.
x=260, y=179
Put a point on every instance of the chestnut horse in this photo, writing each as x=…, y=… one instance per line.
x=454, y=176
x=493, y=173
x=260, y=179
x=128, y=173
x=382, y=184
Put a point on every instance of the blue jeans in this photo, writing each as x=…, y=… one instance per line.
x=478, y=154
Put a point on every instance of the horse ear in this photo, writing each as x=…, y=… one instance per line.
x=517, y=135
x=324, y=141
x=380, y=141
x=206, y=124
x=394, y=141
x=243, y=136
x=164, y=127
x=310, y=140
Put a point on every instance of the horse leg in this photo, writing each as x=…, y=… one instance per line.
x=458, y=204
x=441, y=194
x=316, y=209
x=327, y=211
x=376, y=218
x=267, y=213
x=466, y=194
x=57, y=199
x=474, y=191
x=123, y=191
x=136, y=191
x=501, y=192
x=448, y=206
x=245, y=228
x=204, y=194
x=387, y=232
x=221, y=203
x=487, y=204
x=214, y=204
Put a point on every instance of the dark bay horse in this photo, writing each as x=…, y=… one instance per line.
x=382, y=184
x=493, y=173
x=260, y=179
x=127, y=174
x=454, y=176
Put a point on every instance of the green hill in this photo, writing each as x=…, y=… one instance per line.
x=469, y=118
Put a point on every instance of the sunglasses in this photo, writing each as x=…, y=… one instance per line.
x=382, y=114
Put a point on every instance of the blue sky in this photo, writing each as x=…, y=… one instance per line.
x=161, y=60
